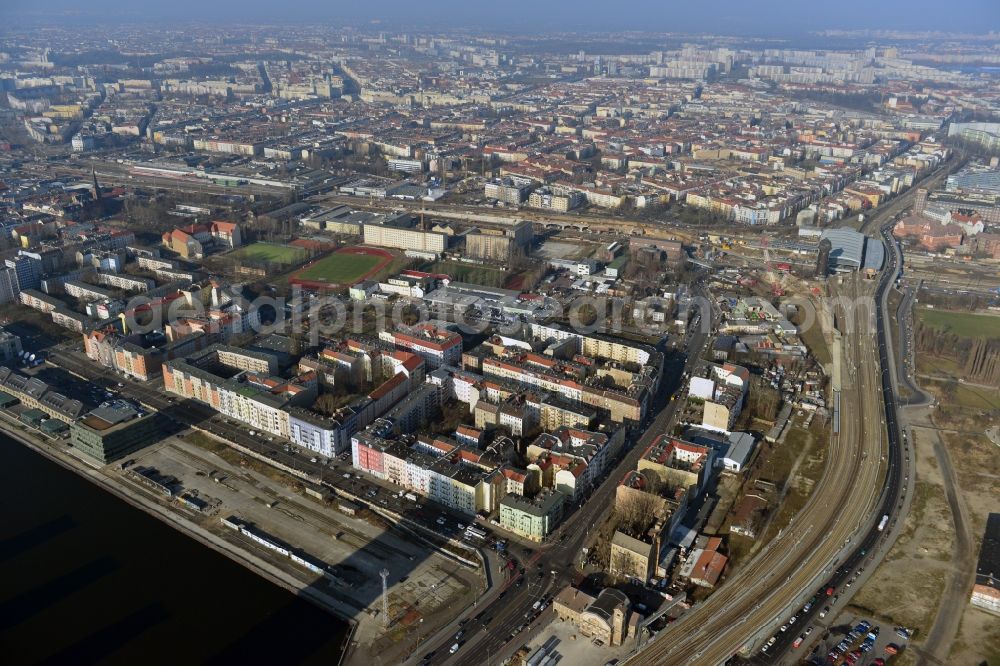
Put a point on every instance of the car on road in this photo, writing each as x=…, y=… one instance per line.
x=454, y=648
x=798, y=641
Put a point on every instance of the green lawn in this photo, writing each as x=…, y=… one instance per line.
x=972, y=397
x=471, y=273
x=340, y=268
x=270, y=253
x=965, y=324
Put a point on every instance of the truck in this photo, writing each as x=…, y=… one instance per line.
x=882, y=523
x=411, y=497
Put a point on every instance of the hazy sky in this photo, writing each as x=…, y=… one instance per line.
x=770, y=17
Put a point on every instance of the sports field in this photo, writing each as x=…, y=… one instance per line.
x=486, y=276
x=965, y=324
x=270, y=253
x=344, y=267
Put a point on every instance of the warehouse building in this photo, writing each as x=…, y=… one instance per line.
x=853, y=251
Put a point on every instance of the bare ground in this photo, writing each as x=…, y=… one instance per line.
x=908, y=584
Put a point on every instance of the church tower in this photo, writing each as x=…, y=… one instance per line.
x=95, y=189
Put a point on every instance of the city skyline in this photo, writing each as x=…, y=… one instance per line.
x=586, y=334
x=775, y=18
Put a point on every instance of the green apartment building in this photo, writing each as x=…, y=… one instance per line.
x=533, y=518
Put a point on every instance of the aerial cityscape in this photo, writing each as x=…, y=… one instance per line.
x=418, y=335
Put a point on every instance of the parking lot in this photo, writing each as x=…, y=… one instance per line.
x=859, y=641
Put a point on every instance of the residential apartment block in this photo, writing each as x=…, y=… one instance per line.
x=532, y=518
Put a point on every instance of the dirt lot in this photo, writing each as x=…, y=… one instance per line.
x=966, y=412
x=425, y=588
x=793, y=465
x=977, y=465
x=908, y=584
x=566, y=249
x=917, y=567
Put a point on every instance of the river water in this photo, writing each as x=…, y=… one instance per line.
x=87, y=578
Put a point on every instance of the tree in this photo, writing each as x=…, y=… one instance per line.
x=764, y=401
x=636, y=513
x=949, y=390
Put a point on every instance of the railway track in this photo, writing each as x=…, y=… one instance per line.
x=757, y=596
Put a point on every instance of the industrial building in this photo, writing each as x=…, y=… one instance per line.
x=853, y=251
x=498, y=245
x=402, y=231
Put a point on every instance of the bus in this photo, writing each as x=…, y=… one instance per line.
x=476, y=532
x=882, y=523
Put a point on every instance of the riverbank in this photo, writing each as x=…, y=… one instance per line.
x=64, y=458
